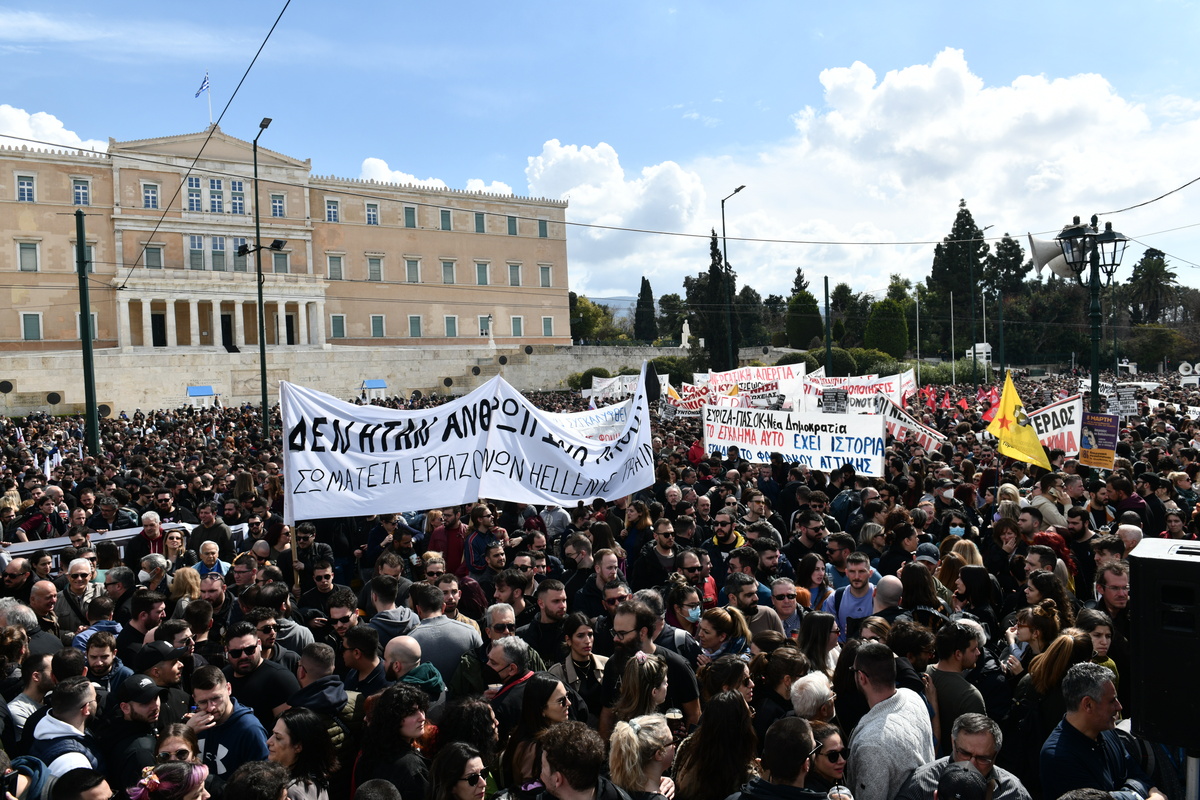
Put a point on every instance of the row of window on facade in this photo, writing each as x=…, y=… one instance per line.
x=450, y=327
x=214, y=199
x=222, y=255
x=31, y=326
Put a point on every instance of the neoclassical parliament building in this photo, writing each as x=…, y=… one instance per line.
x=355, y=263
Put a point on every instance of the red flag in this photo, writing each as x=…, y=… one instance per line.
x=980, y=395
x=963, y=404
x=994, y=395
x=990, y=414
x=946, y=399
x=931, y=401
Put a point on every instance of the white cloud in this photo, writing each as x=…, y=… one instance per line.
x=41, y=127
x=376, y=169
x=884, y=159
x=495, y=187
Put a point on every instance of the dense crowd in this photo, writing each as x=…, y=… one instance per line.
x=731, y=631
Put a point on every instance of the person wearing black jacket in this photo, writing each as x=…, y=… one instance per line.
x=130, y=735
x=657, y=560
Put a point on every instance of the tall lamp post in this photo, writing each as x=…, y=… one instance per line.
x=728, y=279
x=1087, y=246
x=277, y=244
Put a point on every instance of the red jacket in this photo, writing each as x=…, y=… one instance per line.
x=450, y=545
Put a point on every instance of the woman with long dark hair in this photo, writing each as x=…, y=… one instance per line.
x=819, y=640
x=1035, y=628
x=544, y=703
x=902, y=544
x=973, y=594
x=458, y=773
x=718, y=758
x=777, y=670
x=581, y=669
x=811, y=576
x=726, y=674
x=471, y=721
x=390, y=742
x=300, y=741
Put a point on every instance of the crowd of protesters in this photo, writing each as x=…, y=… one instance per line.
x=734, y=630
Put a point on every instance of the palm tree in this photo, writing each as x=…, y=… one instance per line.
x=1153, y=287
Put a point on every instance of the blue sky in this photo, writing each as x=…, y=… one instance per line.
x=848, y=123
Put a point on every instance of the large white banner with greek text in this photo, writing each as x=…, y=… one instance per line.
x=345, y=460
x=819, y=441
x=904, y=426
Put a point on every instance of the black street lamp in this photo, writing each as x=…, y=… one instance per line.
x=277, y=244
x=728, y=280
x=1084, y=246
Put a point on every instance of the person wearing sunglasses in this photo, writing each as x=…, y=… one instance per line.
x=458, y=773
x=828, y=767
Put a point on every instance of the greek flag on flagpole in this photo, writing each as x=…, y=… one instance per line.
x=203, y=86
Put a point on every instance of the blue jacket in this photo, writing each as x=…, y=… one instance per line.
x=235, y=741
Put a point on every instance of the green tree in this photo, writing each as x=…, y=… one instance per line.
x=1153, y=288
x=957, y=262
x=898, y=287
x=589, y=319
x=671, y=314
x=774, y=313
x=838, y=331
x=887, y=330
x=799, y=283
x=645, y=327
x=803, y=320
x=1006, y=268
x=1151, y=344
x=750, y=317
x=710, y=298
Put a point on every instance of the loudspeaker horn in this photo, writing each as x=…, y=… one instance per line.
x=1186, y=369
x=1047, y=253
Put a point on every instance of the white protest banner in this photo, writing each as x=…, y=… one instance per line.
x=908, y=385
x=619, y=386
x=819, y=441
x=342, y=460
x=1058, y=424
x=904, y=426
x=860, y=391
x=760, y=386
x=602, y=424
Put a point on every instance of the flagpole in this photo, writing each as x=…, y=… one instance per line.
x=209, y=93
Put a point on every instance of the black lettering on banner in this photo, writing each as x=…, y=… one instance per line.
x=317, y=434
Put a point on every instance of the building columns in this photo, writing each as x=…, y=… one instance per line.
x=301, y=322
x=172, y=335
x=147, y=324
x=193, y=322
x=123, y=327
x=319, y=327
x=239, y=324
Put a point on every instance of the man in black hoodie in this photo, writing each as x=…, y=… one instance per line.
x=132, y=733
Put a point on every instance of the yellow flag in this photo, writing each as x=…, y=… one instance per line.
x=733, y=391
x=671, y=393
x=1017, y=438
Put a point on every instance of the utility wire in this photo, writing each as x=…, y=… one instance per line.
x=211, y=129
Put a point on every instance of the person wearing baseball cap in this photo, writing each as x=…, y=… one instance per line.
x=163, y=664
x=130, y=737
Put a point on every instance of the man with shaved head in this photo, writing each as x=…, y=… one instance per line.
x=403, y=664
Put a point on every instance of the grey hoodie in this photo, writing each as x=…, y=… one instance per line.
x=398, y=621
